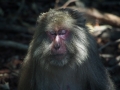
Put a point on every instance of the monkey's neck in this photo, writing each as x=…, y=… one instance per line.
x=62, y=73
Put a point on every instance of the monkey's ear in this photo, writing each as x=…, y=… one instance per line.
x=75, y=14
x=79, y=17
x=41, y=18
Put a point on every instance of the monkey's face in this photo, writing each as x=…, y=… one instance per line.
x=58, y=38
x=59, y=43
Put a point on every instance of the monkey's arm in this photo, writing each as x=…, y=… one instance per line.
x=25, y=81
x=100, y=78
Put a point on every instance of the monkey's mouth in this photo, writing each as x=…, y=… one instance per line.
x=59, y=56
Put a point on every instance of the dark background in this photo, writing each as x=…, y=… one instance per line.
x=17, y=25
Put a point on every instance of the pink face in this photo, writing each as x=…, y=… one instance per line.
x=58, y=39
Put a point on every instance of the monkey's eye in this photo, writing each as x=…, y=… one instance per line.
x=52, y=32
x=62, y=32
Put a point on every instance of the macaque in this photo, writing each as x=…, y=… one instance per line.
x=63, y=55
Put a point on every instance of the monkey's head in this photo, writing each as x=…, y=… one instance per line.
x=60, y=38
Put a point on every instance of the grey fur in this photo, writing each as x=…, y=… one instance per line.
x=81, y=69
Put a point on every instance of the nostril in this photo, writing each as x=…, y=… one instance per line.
x=57, y=46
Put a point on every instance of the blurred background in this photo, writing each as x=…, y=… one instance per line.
x=17, y=26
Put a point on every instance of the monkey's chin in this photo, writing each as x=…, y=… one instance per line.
x=59, y=60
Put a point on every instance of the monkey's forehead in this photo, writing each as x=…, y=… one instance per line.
x=55, y=18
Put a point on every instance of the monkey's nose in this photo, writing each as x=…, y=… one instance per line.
x=56, y=46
